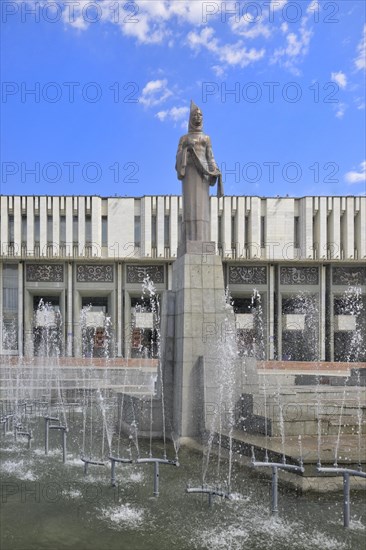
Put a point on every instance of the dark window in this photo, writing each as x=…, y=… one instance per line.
x=296, y=232
x=49, y=230
x=233, y=231
x=246, y=226
x=166, y=230
x=11, y=229
x=62, y=229
x=219, y=233
x=263, y=231
x=88, y=231
x=137, y=231
x=153, y=231
x=75, y=229
x=24, y=229
x=104, y=231
x=36, y=229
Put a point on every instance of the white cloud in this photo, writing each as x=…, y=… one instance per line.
x=277, y=4
x=357, y=177
x=249, y=27
x=155, y=92
x=175, y=113
x=340, y=110
x=360, y=60
x=313, y=6
x=147, y=22
x=296, y=48
x=230, y=54
x=218, y=70
x=360, y=103
x=340, y=78
x=143, y=33
x=165, y=21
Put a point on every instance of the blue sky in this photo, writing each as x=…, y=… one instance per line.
x=112, y=82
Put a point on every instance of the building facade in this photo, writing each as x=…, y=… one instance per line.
x=295, y=269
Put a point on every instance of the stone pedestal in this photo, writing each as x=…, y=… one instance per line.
x=197, y=247
x=200, y=312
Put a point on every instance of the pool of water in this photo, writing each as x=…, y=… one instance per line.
x=47, y=505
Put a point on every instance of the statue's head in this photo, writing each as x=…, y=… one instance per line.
x=195, y=119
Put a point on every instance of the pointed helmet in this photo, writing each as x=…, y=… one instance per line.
x=195, y=125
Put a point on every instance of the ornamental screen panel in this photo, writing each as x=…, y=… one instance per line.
x=247, y=275
x=94, y=273
x=137, y=273
x=349, y=275
x=299, y=275
x=45, y=273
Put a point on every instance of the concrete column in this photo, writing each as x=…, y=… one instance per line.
x=76, y=324
x=63, y=350
x=81, y=214
x=30, y=226
x=20, y=309
x=214, y=207
x=306, y=233
x=4, y=225
x=360, y=228
x=1, y=308
x=322, y=312
x=69, y=325
x=255, y=228
x=279, y=320
x=69, y=238
x=119, y=326
x=331, y=317
x=146, y=226
x=56, y=225
x=173, y=226
x=240, y=227
x=321, y=237
x=334, y=237
x=97, y=224
x=160, y=212
x=17, y=226
x=226, y=226
x=43, y=226
x=348, y=229
x=112, y=299
x=28, y=324
x=127, y=327
x=270, y=316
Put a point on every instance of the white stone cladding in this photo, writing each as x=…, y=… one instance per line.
x=264, y=240
x=329, y=227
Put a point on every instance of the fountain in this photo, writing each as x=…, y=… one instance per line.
x=223, y=417
x=96, y=434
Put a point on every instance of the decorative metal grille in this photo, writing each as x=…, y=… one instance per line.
x=137, y=273
x=244, y=275
x=46, y=273
x=299, y=275
x=349, y=275
x=94, y=273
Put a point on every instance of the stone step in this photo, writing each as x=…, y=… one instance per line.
x=312, y=427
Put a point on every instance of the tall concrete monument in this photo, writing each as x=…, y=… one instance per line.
x=196, y=167
x=194, y=314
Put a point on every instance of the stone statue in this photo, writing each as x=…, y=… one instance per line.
x=196, y=167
